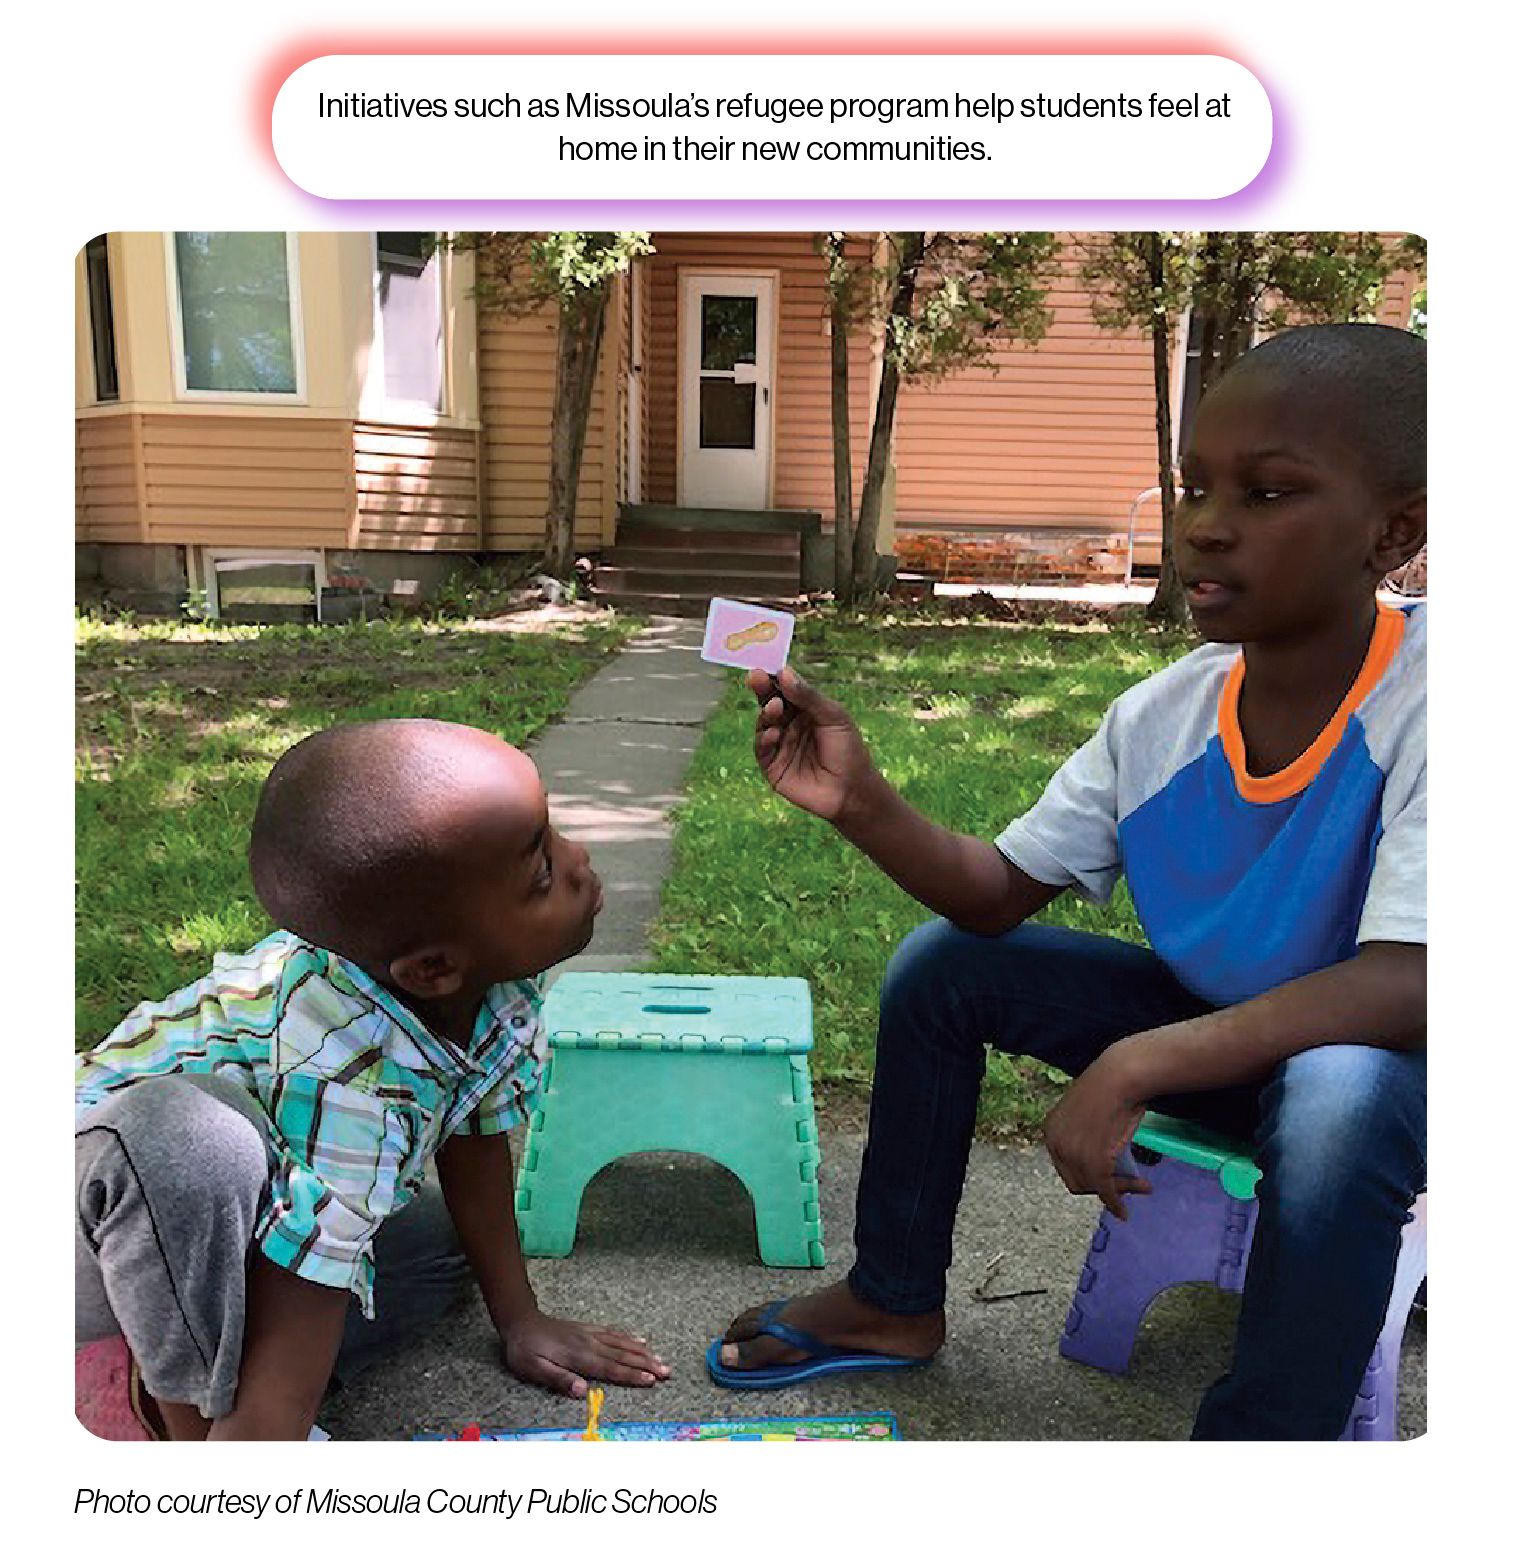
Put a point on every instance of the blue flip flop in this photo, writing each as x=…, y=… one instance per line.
x=824, y=1359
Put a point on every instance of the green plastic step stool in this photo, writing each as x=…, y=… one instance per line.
x=708, y=1064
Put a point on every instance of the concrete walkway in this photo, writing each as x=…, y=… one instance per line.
x=666, y=1243
x=614, y=766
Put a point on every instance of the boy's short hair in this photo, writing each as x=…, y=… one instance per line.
x=1378, y=376
x=342, y=852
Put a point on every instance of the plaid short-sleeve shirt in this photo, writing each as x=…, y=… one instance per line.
x=358, y=1092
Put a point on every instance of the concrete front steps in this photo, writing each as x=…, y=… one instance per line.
x=674, y=560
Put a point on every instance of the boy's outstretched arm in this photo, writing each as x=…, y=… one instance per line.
x=1378, y=997
x=560, y=1354
x=812, y=754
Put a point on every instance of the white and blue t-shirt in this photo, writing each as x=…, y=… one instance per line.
x=1244, y=882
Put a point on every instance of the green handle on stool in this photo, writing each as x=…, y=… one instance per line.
x=1233, y=1164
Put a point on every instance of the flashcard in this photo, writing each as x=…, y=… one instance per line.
x=743, y=635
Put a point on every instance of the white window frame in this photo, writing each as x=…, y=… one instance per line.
x=182, y=388
x=377, y=404
x=251, y=557
x=632, y=466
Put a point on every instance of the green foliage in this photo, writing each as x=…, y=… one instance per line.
x=517, y=273
x=1268, y=280
x=177, y=726
x=481, y=589
x=970, y=721
x=1116, y=269
x=971, y=289
x=1418, y=325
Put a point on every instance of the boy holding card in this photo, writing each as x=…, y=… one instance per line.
x=244, y=1149
x=1265, y=798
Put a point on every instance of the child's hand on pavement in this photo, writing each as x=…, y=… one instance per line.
x=564, y=1355
x=1087, y=1131
x=807, y=745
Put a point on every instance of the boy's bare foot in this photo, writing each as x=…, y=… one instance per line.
x=836, y=1315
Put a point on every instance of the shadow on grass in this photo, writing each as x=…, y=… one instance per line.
x=177, y=728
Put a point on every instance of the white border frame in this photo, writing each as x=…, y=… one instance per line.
x=176, y=335
x=207, y=558
x=374, y=403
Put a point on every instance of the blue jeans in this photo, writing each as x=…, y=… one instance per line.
x=1340, y=1132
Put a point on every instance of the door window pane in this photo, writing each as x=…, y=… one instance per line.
x=410, y=314
x=727, y=413
x=97, y=270
x=729, y=332
x=234, y=300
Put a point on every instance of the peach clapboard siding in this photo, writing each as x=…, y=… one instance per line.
x=266, y=480
x=1396, y=300
x=417, y=487
x=802, y=469
x=517, y=358
x=1061, y=436
x=107, y=480
x=1057, y=435
x=214, y=479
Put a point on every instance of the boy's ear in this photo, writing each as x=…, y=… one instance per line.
x=1403, y=532
x=429, y=972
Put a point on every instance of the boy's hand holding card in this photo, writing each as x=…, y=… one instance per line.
x=743, y=635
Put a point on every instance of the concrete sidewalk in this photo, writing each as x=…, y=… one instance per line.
x=666, y=1243
x=614, y=766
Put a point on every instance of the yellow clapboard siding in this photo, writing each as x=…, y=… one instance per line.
x=234, y=535
x=516, y=385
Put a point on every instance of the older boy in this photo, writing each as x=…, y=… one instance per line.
x=242, y=1147
x=1265, y=797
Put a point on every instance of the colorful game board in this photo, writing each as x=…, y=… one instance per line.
x=870, y=1427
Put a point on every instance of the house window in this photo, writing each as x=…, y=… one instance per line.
x=729, y=340
x=263, y=585
x=236, y=310
x=408, y=318
x=97, y=271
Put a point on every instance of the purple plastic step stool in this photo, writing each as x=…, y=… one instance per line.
x=1198, y=1226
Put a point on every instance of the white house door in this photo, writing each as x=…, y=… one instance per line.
x=726, y=389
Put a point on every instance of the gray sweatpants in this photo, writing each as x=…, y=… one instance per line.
x=169, y=1176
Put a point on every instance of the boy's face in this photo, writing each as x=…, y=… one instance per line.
x=527, y=897
x=1281, y=530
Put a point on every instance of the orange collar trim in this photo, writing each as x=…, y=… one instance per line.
x=1390, y=626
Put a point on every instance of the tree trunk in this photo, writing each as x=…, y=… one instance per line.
x=866, y=562
x=1209, y=307
x=842, y=452
x=580, y=331
x=1230, y=289
x=1242, y=302
x=1168, y=606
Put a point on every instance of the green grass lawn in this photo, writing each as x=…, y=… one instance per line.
x=177, y=727
x=969, y=721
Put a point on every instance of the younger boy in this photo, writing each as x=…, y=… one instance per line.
x=242, y=1147
x=1265, y=797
